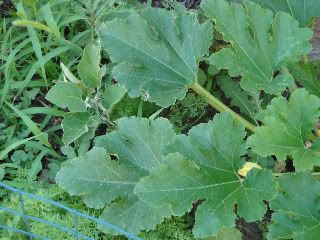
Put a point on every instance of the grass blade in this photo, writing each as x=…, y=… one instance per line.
x=44, y=110
x=42, y=137
x=14, y=146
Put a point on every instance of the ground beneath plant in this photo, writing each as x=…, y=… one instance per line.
x=5, y=7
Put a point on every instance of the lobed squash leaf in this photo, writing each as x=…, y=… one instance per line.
x=261, y=43
x=204, y=166
x=158, y=52
x=297, y=213
x=287, y=127
x=137, y=145
x=302, y=10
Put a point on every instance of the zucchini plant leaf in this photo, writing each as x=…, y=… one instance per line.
x=297, y=213
x=138, y=141
x=67, y=95
x=88, y=68
x=287, y=128
x=226, y=233
x=302, y=10
x=137, y=145
x=260, y=44
x=307, y=74
x=158, y=52
x=239, y=98
x=97, y=178
x=204, y=166
x=74, y=126
x=133, y=214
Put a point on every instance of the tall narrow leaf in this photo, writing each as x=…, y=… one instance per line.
x=42, y=137
x=88, y=68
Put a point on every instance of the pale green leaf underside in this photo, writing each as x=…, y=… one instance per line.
x=112, y=95
x=67, y=95
x=286, y=128
x=214, y=150
x=158, y=53
x=297, y=213
x=261, y=43
x=88, y=68
x=74, y=125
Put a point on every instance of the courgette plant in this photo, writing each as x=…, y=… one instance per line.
x=84, y=116
x=143, y=172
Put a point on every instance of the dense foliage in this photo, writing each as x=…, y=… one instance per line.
x=170, y=119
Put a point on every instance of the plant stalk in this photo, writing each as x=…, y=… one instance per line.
x=315, y=174
x=218, y=105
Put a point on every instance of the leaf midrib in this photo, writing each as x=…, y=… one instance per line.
x=105, y=181
x=191, y=188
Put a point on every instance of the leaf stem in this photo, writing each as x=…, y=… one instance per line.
x=305, y=58
x=218, y=105
x=280, y=174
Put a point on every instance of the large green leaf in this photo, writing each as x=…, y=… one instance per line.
x=135, y=215
x=97, y=178
x=239, y=98
x=302, y=10
x=287, y=128
x=297, y=209
x=137, y=146
x=158, y=53
x=226, y=233
x=139, y=141
x=67, y=95
x=260, y=43
x=208, y=170
x=307, y=74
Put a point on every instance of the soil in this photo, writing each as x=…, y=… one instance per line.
x=187, y=3
x=5, y=7
x=250, y=231
x=315, y=53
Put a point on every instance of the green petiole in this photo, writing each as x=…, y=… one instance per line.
x=218, y=105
